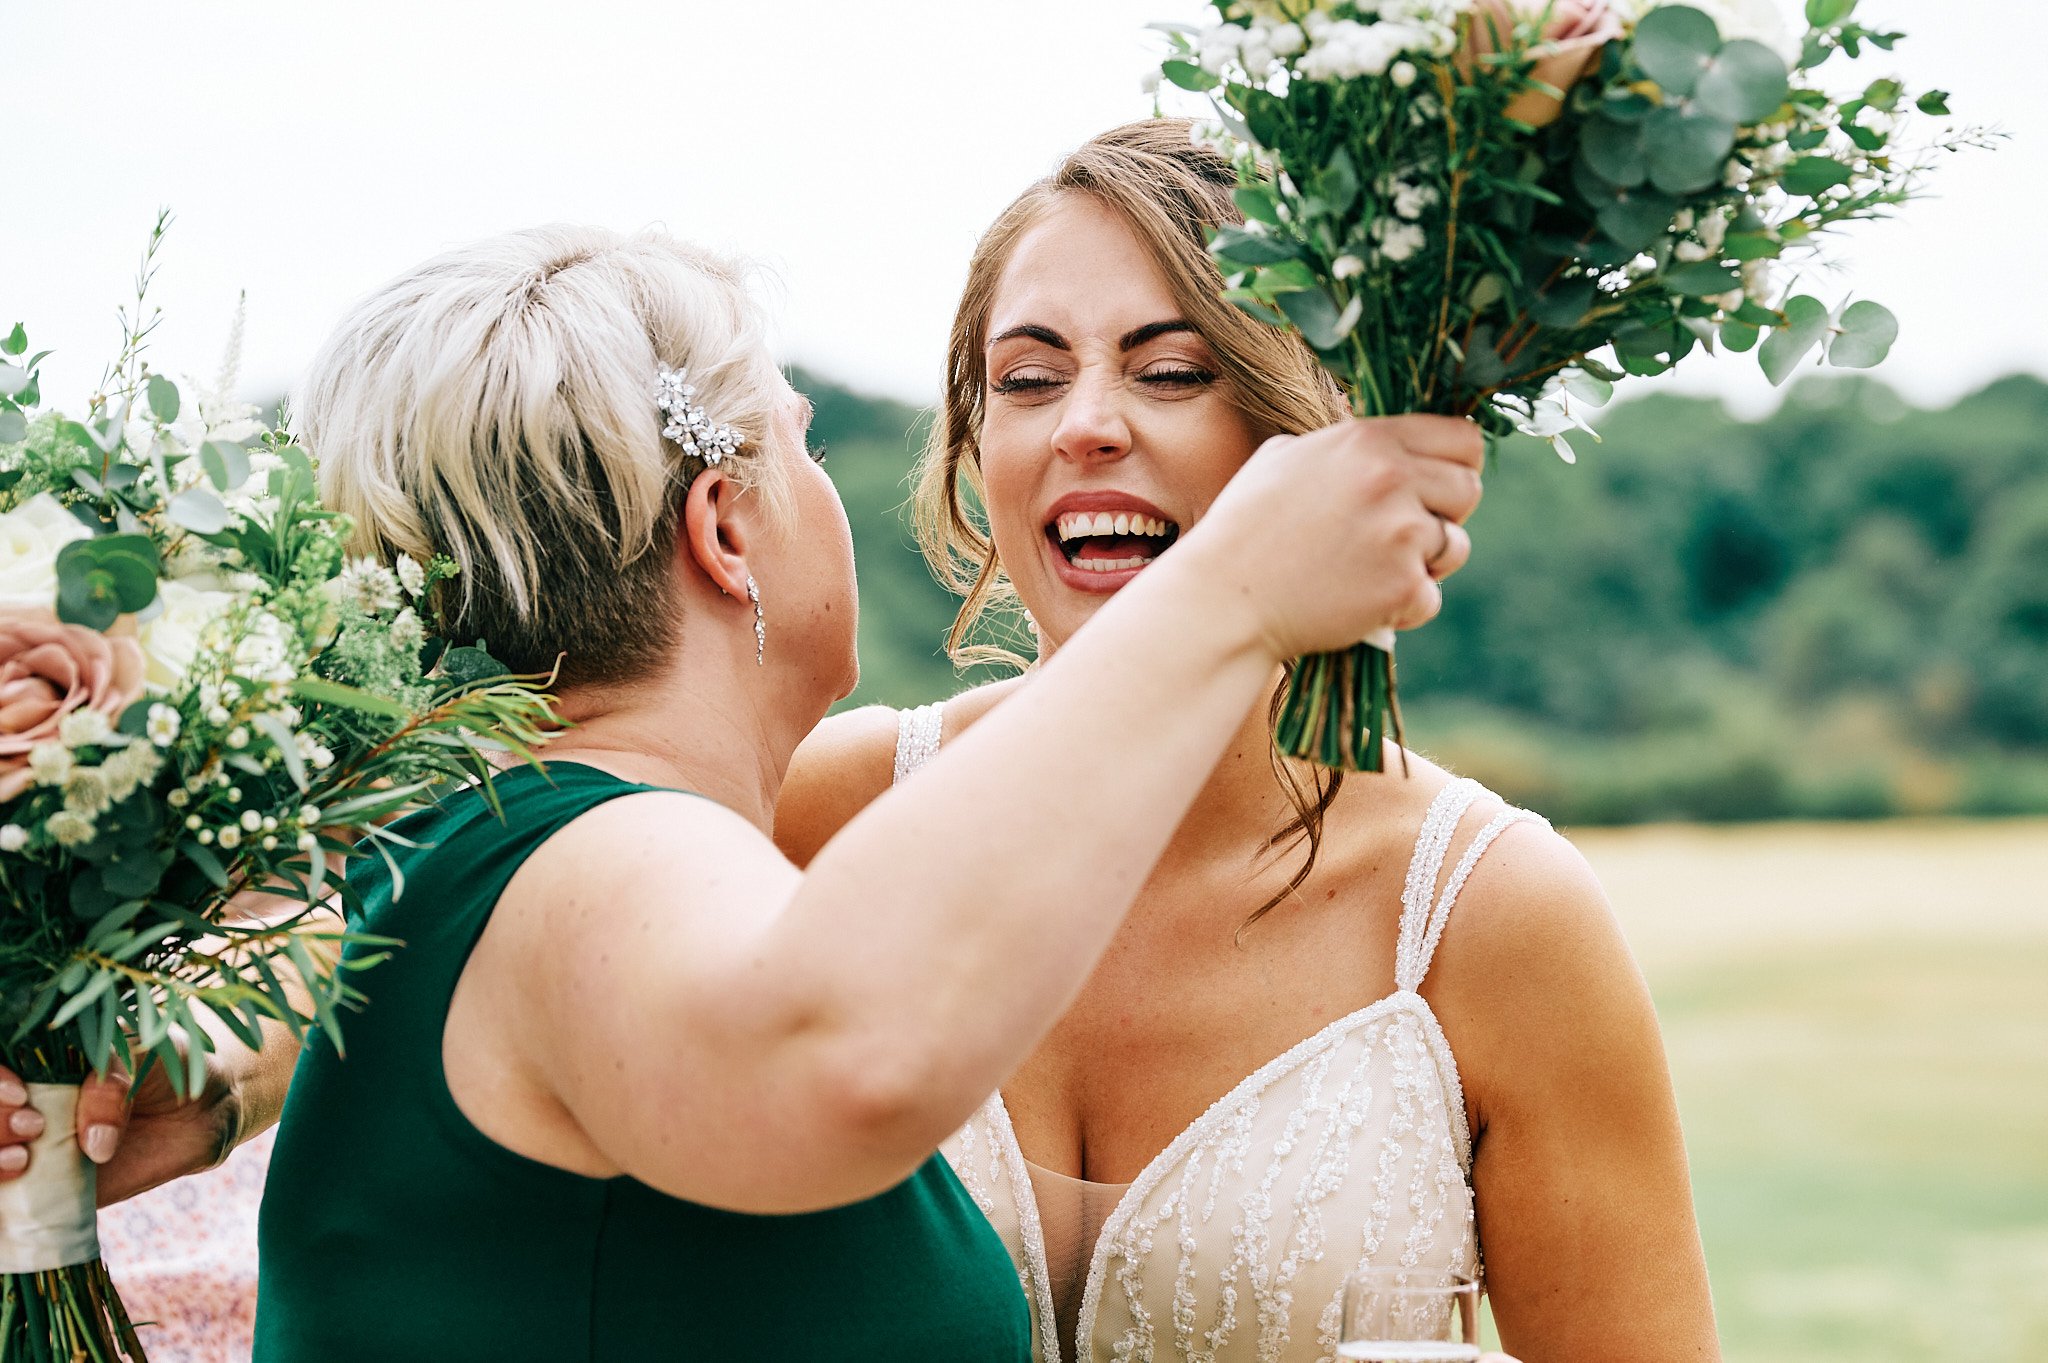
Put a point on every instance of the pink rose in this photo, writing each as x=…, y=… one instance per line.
x=1573, y=35
x=49, y=669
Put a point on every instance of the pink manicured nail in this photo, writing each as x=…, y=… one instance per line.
x=26, y=1123
x=13, y=1159
x=100, y=1140
x=12, y=1094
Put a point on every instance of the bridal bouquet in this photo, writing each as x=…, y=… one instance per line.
x=201, y=695
x=1498, y=208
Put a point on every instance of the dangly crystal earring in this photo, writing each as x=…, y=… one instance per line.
x=760, y=625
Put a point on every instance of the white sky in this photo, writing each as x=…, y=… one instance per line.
x=313, y=149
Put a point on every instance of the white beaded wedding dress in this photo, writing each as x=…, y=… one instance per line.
x=1348, y=1151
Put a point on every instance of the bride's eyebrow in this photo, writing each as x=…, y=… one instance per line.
x=1152, y=331
x=1031, y=331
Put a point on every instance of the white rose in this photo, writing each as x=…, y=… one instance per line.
x=173, y=637
x=1760, y=21
x=30, y=537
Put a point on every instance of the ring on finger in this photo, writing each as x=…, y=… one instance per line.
x=1443, y=528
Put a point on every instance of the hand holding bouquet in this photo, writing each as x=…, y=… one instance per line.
x=202, y=699
x=1498, y=208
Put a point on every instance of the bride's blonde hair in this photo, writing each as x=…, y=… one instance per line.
x=497, y=404
x=1170, y=192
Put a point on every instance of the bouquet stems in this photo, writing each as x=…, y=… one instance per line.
x=65, y=1315
x=1337, y=709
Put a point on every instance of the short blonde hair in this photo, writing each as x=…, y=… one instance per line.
x=496, y=404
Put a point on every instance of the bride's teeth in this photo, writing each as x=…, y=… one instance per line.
x=1110, y=565
x=1083, y=524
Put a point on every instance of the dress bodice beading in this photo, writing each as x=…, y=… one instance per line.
x=1348, y=1151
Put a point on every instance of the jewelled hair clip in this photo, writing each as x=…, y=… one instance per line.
x=689, y=425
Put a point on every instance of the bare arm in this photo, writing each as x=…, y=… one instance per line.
x=1584, y=1199
x=774, y=1040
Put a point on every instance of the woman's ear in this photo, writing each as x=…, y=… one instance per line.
x=716, y=533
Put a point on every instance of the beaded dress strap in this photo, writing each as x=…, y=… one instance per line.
x=917, y=738
x=1423, y=921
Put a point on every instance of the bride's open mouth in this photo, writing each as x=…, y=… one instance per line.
x=1101, y=543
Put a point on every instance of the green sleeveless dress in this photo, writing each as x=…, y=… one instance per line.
x=393, y=1230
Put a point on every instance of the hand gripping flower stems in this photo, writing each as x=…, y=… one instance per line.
x=1498, y=208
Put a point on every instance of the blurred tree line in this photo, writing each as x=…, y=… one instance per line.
x=1838, y=612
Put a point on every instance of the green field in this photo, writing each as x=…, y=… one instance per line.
x=1857, y=1019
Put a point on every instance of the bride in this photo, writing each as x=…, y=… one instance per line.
x=1380, y=1022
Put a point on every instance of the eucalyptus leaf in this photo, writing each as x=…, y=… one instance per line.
x=13, y=426
x=163, y=399
x=1588, y=388
x=198, y=511
x=1614, y=152
x=1673, y=45
x=1828, y=13
x=226, y=464
x=12, y=379
x=1640, y=217
x=1804, y=327
x=1863, y=337
x=16, y=342
x=1688, y=151
x=1188, y=76
x=1316, y=315
x=1739, y=336
x=1744, y=83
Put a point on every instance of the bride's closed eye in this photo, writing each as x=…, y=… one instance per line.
x=1024, y=383
x=1178, y=376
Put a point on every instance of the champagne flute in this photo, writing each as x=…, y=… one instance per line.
x=1410, y=1315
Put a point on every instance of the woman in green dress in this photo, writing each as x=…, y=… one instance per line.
x=635, y=1087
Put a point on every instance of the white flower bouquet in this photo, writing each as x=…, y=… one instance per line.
x=201, y=697
x=1498, y=208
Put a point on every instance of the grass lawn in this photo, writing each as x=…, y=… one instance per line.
x=1857, y=1019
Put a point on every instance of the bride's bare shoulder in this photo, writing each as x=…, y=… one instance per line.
x=848, y=761
x=1534, y=980
x=845, y=763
